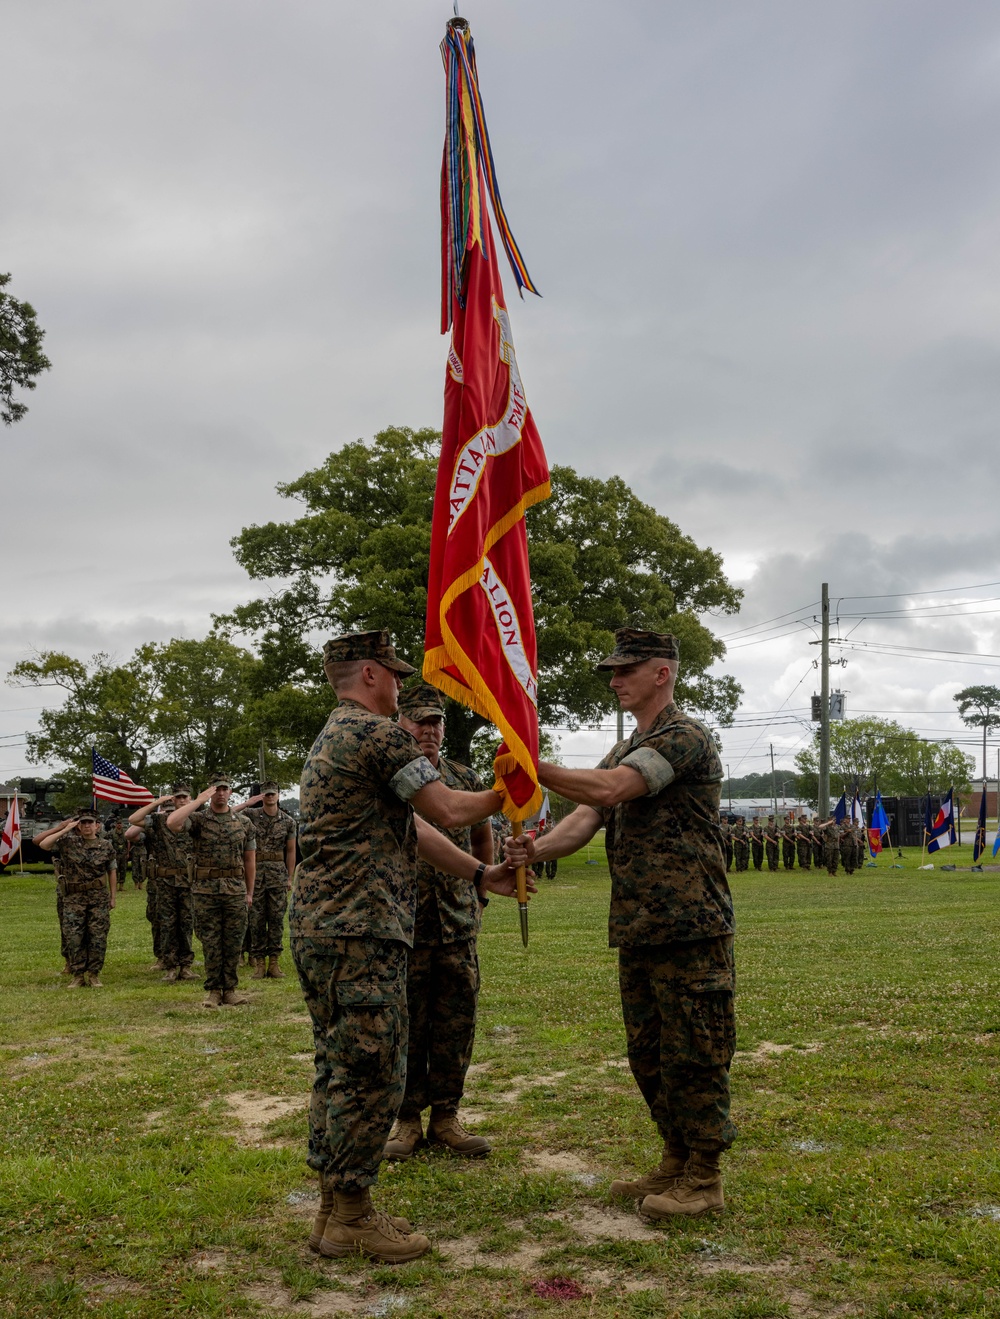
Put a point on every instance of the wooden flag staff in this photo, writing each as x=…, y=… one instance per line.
x=521, y=879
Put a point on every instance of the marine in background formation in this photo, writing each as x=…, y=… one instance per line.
x=168, y=880
x=741, y=845
x=757, y=843
x=804, y=843
x=222, y=885
x=88, y=880
x=788, y=842
x=772, y=843
x=727, y=839
x=275, y=830
x=442, y=972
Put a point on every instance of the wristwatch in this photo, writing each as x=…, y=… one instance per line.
x=483, y=900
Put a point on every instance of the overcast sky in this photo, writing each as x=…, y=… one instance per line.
x=768, y=240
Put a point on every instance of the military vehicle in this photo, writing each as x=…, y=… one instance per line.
x=37, y=814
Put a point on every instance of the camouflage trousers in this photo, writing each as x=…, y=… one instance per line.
x=805, y=852
x=758, y=854
x=86, y=922
x=138, y=864
x=442, y=989
x=60, y=915
x=355, y=990
x=153, y=914
x=729, y=856
x=175, y=922
x=831, y=856
x=677, y=1002
x=741, y=853
x=771, y=850
x=849, y=855
x=267, y=917
x=787, y=854
x=220, y=922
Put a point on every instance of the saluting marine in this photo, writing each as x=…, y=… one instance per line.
x=771, y=843
x=89, y=881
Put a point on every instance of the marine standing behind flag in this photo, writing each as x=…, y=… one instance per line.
x=480, y=644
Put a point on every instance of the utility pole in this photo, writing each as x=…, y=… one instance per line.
x=823, y=799
x=260, y=762
x=729, y=780
x=774, y=790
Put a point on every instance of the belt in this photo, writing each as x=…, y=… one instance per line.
x=81, y=886
x=270, y=856
x=168, y=872
x=217, y=872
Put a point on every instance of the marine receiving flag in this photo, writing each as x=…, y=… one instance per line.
x=112, y=784
x=942, y=831
x=10, y=838
x=480, y=643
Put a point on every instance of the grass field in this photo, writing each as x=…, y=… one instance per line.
x=153, y=1151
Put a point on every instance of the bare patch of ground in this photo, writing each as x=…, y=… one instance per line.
x=559, y=1161
x=603, y=1223
x=466, y=1253
x=254, y=1112
x=208, y=1261
x=477, y=1069
x=471, y=1117
x=615, y=1062
x=275, y=1297
x=766, y=1051
x=518, y=1085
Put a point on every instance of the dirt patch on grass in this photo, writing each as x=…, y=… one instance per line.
x=254, y=1112
x=599, y=1223
x=519, y=1084
x=208, y=1261
x=466, y=1253
x=766, y=1051
x=556, y=1161
x=275, y=1297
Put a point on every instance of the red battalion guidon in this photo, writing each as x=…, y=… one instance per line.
x=480, y=644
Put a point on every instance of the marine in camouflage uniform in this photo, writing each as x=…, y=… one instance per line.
x=671, y=917
x=351, y=922
x=116, y=837
x=48, y=833
x=88, y=878
x=817, y=843
x=829, y=838
x=772, y=842
x=137, y=864
x=275, y=867
x=741, y=844
x=757, y=844
x=442, y=974
x=804, y=843
x=223, y=871
x=788, y=843
x=848, y=847
x=168, y=881
x=727, y=840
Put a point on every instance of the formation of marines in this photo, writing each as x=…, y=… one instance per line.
x=807, y=843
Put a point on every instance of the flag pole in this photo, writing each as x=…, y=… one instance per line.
x=20, y=837
x=521, y=880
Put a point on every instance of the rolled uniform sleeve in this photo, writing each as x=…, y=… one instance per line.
x=408, y=781
x=654, y=767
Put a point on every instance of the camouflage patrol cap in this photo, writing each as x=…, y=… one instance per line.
x=421, y=702
x=270, y=786
x=178, y=788
x=632, y=646
x=221, y=781
x=366, y=646
x=88, y=817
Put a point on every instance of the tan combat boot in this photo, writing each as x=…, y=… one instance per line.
x=66, y=971
x=171, y=975
x=185, y=973
x=93, y=980
x=670, y=1171
x=78, y=982
x=405, y=1136
x=699, y=1191
x=157, y=966
x=446, y=1130
x=274, y=971
x=258, y=972
x=356, y=1228
x=213, y=999
x=327, y=1200
x=232, y=999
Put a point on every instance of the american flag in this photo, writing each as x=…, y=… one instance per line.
x=113, y=784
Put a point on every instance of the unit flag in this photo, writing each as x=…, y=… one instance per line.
x=10, y=838
x=480, y=643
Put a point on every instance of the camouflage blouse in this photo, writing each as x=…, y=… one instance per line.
x=273, y=833
x=167, y=849
x=84, y=860
x=668, y=866
x=357, y=877
x=219, y=839
x=447, y=907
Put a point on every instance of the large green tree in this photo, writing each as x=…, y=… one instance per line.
x=21, y=356
x=183, y=709
x=979, y=707
x=357, y=557
x=873, y=750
